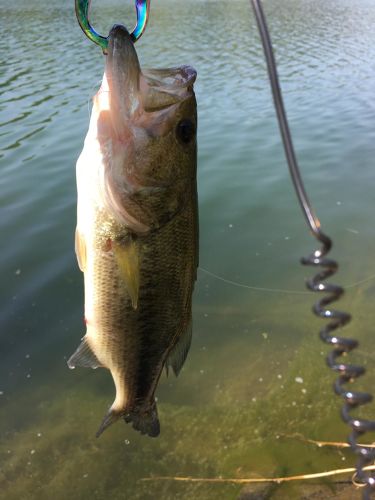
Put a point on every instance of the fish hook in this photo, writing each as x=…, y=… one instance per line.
x=82, y=12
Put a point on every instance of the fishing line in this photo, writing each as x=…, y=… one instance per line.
x=328, y=267
x=254, y=288
x=275, y=290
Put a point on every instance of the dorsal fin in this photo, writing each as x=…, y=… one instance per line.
x=84, y=356
x=127, y=258
x=178, y=354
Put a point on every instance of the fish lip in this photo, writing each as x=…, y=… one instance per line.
x=119, y=34
x=121, y=51
x=173, y=78
x=122, y=72
x=163, y=88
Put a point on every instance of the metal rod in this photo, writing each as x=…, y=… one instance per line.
x=347, y=373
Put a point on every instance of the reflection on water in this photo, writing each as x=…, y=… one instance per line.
x=239, y=402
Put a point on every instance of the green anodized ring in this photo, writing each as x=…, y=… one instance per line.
x=82, y=12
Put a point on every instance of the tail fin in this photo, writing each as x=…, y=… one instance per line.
x=145, y=421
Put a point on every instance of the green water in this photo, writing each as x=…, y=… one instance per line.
x=236, y=409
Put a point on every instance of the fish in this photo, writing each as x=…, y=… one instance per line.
x=137, y=231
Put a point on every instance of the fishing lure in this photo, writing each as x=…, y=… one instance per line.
x=341, y=346
x=82, y=7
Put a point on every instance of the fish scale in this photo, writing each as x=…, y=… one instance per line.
x=137, y=229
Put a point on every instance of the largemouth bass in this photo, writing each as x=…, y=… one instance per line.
x=137, y=229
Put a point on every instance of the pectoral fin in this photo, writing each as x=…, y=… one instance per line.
x=178, y=354
x=127, y=258
x=80, y=247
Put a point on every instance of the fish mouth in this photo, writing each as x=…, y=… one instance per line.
x=162, y=88
x=133, y=91
x=122, y=71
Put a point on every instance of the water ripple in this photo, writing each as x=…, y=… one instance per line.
x=49, y=71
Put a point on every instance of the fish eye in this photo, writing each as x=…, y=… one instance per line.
x=185, y=131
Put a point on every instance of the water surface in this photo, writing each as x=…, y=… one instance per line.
x=239, y=407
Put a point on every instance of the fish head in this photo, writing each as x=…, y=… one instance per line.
x=147, y=124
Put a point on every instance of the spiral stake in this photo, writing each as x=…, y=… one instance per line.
x=347, y=373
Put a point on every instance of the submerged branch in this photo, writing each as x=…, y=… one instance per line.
x=335, y=444
x=260, y=479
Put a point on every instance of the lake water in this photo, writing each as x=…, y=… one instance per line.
x=255, y=384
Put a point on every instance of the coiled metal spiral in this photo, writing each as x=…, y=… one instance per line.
x=341, y=346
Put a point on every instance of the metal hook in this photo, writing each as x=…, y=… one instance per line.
x=82, y=12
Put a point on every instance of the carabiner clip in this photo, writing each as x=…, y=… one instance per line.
x=82, y=12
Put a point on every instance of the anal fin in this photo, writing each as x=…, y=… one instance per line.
x=84, y=356
x=178, y=354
